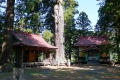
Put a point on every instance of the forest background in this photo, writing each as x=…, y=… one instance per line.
x=37, y=16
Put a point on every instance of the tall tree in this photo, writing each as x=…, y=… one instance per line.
x=7, y=43
x=83, y=23
x=27, y=14
x=69, y=12
x=108, y=23
x=59, y=32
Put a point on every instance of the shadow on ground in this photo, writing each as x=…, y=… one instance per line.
x=69, y=73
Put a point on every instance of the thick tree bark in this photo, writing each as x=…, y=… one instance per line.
x=59, y=32
x=117, y=43
x=7, y=43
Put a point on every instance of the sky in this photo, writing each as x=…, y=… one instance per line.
x=90, y=7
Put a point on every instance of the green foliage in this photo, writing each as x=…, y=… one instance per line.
x=47, y=14
x=109, y=22
x=47, y=35
x=41, y=57
x=109, y=15
x=24, y=30
x=83, y=23
x=70, y=11
x=105, y=48
x=27, y=14
x=115, y=57
x=7, y=67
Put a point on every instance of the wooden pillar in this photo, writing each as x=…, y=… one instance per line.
x=18, y=56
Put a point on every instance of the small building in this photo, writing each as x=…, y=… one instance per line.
x=89, y=49
x=27, y=47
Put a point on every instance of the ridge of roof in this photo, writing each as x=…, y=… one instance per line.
x=92, y=37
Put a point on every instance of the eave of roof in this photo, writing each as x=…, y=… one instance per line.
x=92, y=40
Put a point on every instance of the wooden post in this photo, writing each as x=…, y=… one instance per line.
x=18, y=74
x=57, y=63
x=22, y=77
x=14, y=73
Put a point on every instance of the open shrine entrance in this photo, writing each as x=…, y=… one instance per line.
x=93, y=57
x=90, y=49
x=89, y=55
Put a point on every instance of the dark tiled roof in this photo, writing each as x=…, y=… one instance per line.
x=92, y=40
x=31, y=40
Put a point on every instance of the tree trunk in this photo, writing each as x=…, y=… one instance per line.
x=70, y=48
x=117, y=43
x=7, y=43
x=59, y=32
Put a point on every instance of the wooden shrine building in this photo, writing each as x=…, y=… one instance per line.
x=89, y=49
x=27, y=47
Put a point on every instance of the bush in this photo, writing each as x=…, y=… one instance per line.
x=8, y=67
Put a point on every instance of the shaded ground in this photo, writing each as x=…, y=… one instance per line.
x=69, y=73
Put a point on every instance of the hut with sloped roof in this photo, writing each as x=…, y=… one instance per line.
x=28, y=46
x=89, y=49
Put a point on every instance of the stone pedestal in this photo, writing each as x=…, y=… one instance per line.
x=68, y=62
x=18, y=74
